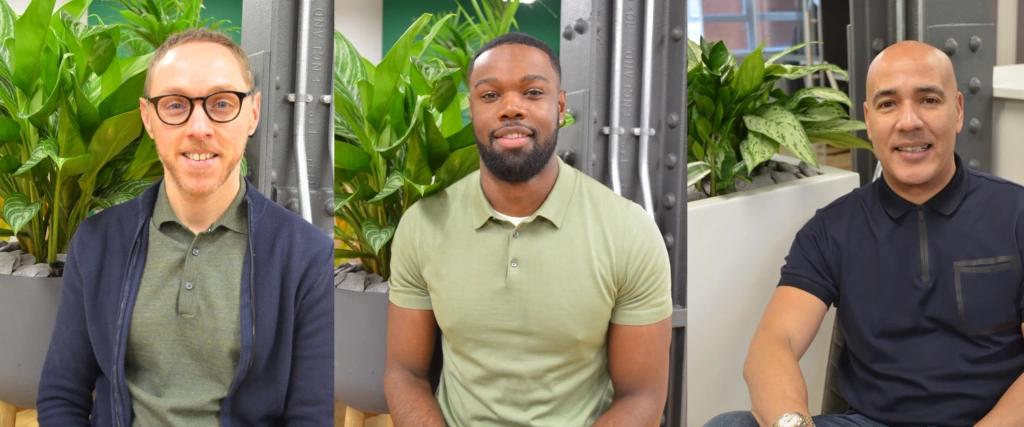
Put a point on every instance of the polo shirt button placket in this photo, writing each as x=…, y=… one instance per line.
x=515, y=234
x=514, y=263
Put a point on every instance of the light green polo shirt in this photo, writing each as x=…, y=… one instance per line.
x=525, y=310
x=184, y=338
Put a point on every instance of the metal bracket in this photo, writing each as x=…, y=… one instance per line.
x=641, y=132
x=608, y=130
x=300, y=98
x=678, y=317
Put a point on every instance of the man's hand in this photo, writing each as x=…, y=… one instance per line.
x=638, y=364
x=410, y=346
x=1009, y=411
x=772, y=371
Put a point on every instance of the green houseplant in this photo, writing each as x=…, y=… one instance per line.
x=401, y=137
x=149, y=23
x=737, y=120
x=71, y=137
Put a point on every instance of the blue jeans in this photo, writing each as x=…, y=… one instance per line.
x=746, y=419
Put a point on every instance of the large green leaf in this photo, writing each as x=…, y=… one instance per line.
x=391, y=185
x=30, y=32
x=38, y=154
x=67, y=165
x=8, y=20
x=757, y=149
x=822, y=112
x=823, y=93
x=113, y=135
x=145, y=157
x=362, y=193
x=842, y=140
x=696, y=171
x=436, y=144
x=791, y=49
x=460, y=163
x=464, y=138
x=750, y=75
x=121, y=192
x=9, y=164
x=782, y=126
x=443, y=93
x=389, y=149
x=350, y=157
x=348, y=67
x=833, y=126
x=9, y=130
x=391, y=70
x=375, y=235
x=125, y=98
x=794, y=72
x=693, y=55
x=50, y=96
x=19, y=210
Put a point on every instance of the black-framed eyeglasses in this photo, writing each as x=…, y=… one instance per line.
x=220, y=107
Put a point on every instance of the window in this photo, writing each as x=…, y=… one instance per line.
x=745, y=24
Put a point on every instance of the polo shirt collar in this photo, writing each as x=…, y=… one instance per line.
x=945, y=201
x=553, y=209
x=234, y=218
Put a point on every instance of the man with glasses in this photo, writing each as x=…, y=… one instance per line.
x=201, y=302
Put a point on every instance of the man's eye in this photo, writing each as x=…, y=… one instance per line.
x=886, y=104
x=489, y=95
x=534, y=92
x=931, y=100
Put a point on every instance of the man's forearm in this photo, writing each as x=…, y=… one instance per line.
x=632, y=411
x=775, y=382
x=410, y=401
x=1009, y=411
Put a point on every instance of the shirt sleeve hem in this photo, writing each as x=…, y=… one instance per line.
x=410, y=302
x=808, y=286
x=642, y=317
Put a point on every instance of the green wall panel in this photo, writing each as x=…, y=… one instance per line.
x=538, y=20
x=230, y=10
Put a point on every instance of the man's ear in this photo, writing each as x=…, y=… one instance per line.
x=256, y=101
x=959, y=111
x=561, y=106
x=144, y=111
x=867, y=121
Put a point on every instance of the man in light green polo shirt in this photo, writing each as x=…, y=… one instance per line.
x=552, y=293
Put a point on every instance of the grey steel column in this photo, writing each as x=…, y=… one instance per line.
x=271, y=34
x=872, y=29
x=587, y=67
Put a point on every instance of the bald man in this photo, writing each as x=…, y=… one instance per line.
x=925, y=265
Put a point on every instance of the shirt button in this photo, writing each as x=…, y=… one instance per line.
x=515, y=233
x=188, y=286
x=514, y=264
x=195, y=252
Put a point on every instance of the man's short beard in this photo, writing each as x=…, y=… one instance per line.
x=516, y=169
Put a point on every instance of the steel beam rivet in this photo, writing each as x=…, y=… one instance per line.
x=292, y=205
x=326, y=99
x=678, y=33
x=974, y=85
x=877, y=44
x=291, y=97
x=277, y=130
x=671, y=161
x=277, y=82
x=580, y=26
x=950, y=47
x=669, y=201
x=273, y=176
x=974, y=126
x=669, y=240
x=975, y=43
x=329, y=207
x=672, y=120
x=567, y=33
x=974, y=164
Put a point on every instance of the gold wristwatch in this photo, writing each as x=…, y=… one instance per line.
x=793, y=419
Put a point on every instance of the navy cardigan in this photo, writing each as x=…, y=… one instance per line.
x=286, y=364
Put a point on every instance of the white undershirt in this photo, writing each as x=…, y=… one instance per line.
x=515, y=220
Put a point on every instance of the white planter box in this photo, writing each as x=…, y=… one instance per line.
x=736, y=245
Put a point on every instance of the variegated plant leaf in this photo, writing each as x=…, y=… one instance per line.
x=121, y=192
x=19, y=210
x=375, y=235
x=821, y=112
x=833, y=126
x=757, y=149
x=782, y=126
x=823, y=93
x=391, y=185
x=38, y=154
x=696, y=171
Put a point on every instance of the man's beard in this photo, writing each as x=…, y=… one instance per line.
x=514, y=168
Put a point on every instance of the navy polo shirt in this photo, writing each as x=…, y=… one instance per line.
x=930, y=296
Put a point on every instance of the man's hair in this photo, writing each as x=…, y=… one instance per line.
x=195, y=35
x=521, y=39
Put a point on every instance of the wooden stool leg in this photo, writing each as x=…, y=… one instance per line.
x=353, y=418
x=8, y=414
x=390, y=422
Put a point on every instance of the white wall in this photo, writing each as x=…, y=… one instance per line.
x=1006, y=33
x=362, y=23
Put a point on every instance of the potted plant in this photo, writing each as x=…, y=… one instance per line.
x=71, y=143
x=752, y=206
x=400, y=135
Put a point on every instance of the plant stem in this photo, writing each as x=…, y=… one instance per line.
x=51, y=255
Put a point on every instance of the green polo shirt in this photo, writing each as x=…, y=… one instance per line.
x=525, y=310
x=184, y=336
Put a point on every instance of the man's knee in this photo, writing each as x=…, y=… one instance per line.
x=733, y=419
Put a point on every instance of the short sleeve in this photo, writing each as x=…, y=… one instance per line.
x=807, y=265
x=408, y=289
x=645, y=294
